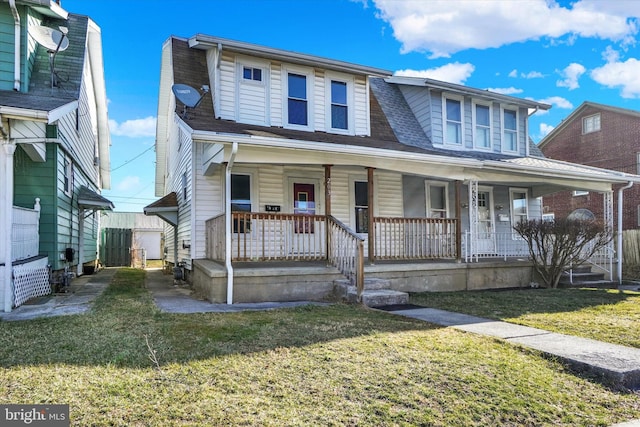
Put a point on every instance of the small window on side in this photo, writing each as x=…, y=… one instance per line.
x=591, y=123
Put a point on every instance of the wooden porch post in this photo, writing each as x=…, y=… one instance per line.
x=371, y=233
x=458, y=213
x=327, y=206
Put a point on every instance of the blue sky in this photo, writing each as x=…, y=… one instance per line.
x=561, y=53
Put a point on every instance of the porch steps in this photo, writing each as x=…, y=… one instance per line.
x=583, y=277
x=377, y=292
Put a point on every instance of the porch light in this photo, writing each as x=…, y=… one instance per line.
x=499, y=207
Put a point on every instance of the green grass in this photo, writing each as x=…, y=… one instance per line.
x=308, y=366
x=601, y=314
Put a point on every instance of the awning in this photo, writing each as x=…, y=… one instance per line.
x=166, y=208
x=89, y=199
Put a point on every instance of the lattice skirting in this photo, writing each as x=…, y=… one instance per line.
x=29, y=282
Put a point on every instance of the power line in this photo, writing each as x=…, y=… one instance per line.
x=132, y=159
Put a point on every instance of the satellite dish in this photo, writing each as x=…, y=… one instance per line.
x=50, y=39
x=54, y=41
x=189, y=96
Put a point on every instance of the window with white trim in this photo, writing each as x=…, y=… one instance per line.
x=184, y=186
x=339, y=106
x=519, y=205
x=510, y=130
x=252, y=73
x=297, y=100
x=591, y=123
x=241, y=201
x=361, y=194
x=637, y=163
x=482, y=126
x=453, y=121
x=68, y=176
x=437, y=199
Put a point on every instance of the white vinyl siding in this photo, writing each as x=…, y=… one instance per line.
x=228, y=87
x=253, y=95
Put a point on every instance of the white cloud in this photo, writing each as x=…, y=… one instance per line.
x=545, y=129
x=128, y=183
x=134, y=128
x=571, y=74
x=443, y=27
x=558, y=101
x=505, y=90
x=624, y=75
x=453, y=73
x=513, y=73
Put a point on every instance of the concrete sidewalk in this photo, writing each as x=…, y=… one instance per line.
x=614, y=364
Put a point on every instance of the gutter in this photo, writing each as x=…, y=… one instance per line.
x=626, y=187
x=227, y=220
x=16, y=61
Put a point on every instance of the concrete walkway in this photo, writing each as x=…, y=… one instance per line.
x=614, y=364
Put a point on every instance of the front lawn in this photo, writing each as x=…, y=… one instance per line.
x=601, y=314
x=126, y=364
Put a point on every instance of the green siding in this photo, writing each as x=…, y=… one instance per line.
x=6, y=47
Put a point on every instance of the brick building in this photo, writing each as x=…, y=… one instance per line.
x=601, y=136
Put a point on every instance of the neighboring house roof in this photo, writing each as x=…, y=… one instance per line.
x=89, y=199
x=41, y=102
x=578, y=111
x=166, y=208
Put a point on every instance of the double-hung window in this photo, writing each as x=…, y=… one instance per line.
x=519, y=205
x=453, y=120
x=297, y=101
x=68, y=176
x=482, y=136
x=510, y=130
x=361, y=192
x=591, y=123
x=339, y=107
x=436, y=199
x=241, y=201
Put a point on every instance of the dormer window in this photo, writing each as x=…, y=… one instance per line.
x=510, y=130
x=482, y=122
x=339, y=109
x=453, y=120
x=250, y=73
x=297, y=102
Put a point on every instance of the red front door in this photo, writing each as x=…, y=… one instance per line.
x=304, y=203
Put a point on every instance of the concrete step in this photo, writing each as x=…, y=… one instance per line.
x=376, y=292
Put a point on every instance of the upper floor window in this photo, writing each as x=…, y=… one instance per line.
x=510, y=130
x=519, y=205
x=482, y=136
x=297, y=102
x=184, y=186
x=339, y=108
x=453, y=120
x=251, y=73
x=437, y=201
x=591, y=123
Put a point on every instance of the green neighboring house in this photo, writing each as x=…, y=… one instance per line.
x=54, y=154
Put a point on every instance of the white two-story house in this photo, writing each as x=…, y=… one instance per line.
x=280, y=172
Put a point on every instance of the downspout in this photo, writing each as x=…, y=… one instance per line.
x=227, y=224
x=16, y=61
x=626, y=187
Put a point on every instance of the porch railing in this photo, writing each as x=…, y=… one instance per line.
x=25, y=232
x=493, y=245
x=415, y=238
x=346, y=253
x=259, y=236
